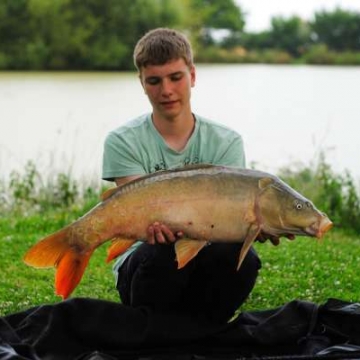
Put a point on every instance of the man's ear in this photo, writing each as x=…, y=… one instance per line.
x=192, y=75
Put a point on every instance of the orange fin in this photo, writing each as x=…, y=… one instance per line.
x=70, y=270
x=55, y=251
x=107, y=193
x=253, y=232
x=187, y=249
x=118, y=246
x=48, y=251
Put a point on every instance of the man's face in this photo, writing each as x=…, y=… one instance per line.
x=168, y=87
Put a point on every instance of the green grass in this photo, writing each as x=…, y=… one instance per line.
x=308, y=269
x=302, y=269
x=22, y=286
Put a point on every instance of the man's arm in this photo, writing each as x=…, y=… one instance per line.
x=156, y=232
x=123, y=180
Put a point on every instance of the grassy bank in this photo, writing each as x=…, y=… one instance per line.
x=302, y=269
x=306, y=269
x=315, y=55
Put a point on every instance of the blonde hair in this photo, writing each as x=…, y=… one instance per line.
x=161, y=45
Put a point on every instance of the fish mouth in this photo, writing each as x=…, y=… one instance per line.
x=319, y=229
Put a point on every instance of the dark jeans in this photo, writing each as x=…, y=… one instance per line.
x=208, y=287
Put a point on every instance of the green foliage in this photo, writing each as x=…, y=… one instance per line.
x=291, y=35
x=217, y=14
x=320, y=54
x=257, y=41
x=101, y=34
x=28, y=192
x=23, y=187
x=338, y=29
x=331, y=39
x=75, y=34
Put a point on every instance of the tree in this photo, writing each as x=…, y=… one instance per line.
x=78, y=34
x=339, y=29
x=206, y=16
x=14, y=32
x=291, y=35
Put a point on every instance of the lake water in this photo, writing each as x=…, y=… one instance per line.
x=286, y=114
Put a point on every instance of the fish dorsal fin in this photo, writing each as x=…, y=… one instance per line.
x=118, y=246
x=190, y=167
x=107, y=193
x=187, y=249
x=265, y=182
x=252, y=234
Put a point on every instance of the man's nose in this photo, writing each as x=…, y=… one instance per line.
x=166, y=87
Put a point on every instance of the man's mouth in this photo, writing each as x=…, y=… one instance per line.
x=169, y=103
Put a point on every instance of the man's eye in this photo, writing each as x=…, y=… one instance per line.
x=176, y=77
x=153, y=81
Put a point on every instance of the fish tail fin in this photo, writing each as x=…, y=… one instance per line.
x=70, y=270
x=48, y=251
x=55, y=251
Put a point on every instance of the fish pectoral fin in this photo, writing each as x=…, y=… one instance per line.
x=252, y=234
x=118, y=246
x=187, y=249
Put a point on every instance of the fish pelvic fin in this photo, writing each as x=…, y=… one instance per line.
x=252, y=234
x=187, y=249
x=118, y=246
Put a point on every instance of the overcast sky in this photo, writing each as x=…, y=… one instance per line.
x=260, y=11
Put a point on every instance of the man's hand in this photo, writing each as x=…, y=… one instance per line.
x=160, y=233
x=275, y=240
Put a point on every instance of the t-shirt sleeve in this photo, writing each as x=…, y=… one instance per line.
x=120, y=158
x=232, y=154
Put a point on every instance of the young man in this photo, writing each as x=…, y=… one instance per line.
x=209, y=287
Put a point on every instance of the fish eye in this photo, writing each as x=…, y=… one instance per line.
x=298, y=206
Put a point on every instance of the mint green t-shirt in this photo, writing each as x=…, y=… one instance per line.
x=137, y=148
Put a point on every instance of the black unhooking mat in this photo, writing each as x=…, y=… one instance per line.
x=82, y=328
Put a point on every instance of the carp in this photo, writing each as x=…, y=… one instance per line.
x=206, y=203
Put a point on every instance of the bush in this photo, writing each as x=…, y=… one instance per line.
x=29, y=192
x=319, y=55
